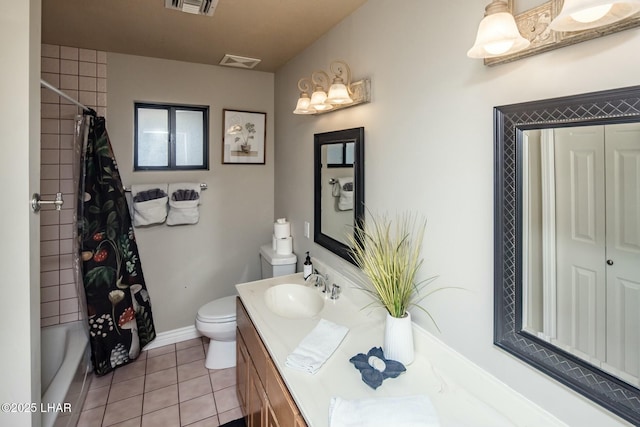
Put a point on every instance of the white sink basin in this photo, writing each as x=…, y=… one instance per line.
x=294, y=301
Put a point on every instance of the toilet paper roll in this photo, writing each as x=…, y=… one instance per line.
x=282, y=228
x=284, y=246
x=273, y=242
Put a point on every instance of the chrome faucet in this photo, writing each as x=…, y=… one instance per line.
x=335, y=291
x=320, y=280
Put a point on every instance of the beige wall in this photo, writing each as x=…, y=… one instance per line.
x=429, y=149
x=187, y=266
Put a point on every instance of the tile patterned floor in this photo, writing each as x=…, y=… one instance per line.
x=166, y=387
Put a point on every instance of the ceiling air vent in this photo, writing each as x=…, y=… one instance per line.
x=239, y=61
x=197, y=7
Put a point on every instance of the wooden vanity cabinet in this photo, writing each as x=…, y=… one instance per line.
x=264, y=398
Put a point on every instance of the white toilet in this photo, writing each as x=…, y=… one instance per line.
x=217, y=319
x=274, y=264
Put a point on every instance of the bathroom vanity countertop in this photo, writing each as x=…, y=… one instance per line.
x=461, y=393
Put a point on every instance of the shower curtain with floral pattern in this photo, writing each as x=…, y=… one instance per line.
x=118, y=305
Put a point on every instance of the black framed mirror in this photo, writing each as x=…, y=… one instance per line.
x=587, y=360
x=338, y=188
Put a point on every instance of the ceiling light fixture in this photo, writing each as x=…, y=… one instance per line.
x=497, y=33
x=578, y=15
x=330, y=94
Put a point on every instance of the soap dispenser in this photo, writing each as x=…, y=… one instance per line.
x=308, y=267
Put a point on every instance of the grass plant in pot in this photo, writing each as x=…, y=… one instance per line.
x=389, y=254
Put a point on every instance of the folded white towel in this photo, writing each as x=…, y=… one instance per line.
x=404, y=411
x=183, y=211
x=345, y=202
x=335, y=190
x=317, y=346
x=149, y=211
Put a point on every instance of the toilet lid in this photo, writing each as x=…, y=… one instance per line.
x=220, y=310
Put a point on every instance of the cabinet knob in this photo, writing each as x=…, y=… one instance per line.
x=609, y=262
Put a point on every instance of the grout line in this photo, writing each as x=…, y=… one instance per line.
x=144, y=385
x=215, y=404
x=178, y=403
x=106, y=405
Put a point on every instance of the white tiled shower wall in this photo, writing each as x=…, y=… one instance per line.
x=81, y=74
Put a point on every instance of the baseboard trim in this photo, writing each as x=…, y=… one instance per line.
x=172, y=337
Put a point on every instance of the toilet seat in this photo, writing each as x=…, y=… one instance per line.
x=222, y=310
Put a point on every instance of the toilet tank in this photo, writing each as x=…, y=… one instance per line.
x=274, y=264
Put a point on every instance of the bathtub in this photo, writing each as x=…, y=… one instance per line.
x=64, y=373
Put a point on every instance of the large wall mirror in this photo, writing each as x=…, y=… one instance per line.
x=567, y=242
x=338, y=188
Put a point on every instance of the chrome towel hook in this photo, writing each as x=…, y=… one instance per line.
x=36, y=202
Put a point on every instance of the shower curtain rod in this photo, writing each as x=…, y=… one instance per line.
x=64, y=95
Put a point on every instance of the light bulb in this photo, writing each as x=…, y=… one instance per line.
x=498, y=47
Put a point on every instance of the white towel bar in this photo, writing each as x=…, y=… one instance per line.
x=203, y=186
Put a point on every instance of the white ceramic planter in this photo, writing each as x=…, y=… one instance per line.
x=398, y=339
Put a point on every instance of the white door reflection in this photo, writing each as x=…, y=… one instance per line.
x=581, y=243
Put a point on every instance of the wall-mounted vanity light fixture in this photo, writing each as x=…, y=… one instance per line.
x=552, y=24
x=330, y=94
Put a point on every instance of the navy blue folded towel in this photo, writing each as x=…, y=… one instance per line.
x=185, y=194
x=154, y=193
x=374, y=368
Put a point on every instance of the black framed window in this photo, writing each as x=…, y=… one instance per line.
x=340, y=155
x=171, y=137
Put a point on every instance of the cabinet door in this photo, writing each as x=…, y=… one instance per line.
x=242, y=373
x=280, y=401
x=257, y=407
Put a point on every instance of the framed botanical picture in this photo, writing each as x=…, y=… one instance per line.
x=243, y=141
